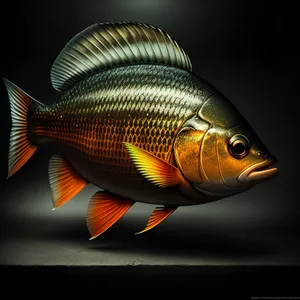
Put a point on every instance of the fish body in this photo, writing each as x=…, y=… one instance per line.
x=134, y=120
x=145, y=105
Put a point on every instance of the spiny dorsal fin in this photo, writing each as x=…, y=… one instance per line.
x=108, y=45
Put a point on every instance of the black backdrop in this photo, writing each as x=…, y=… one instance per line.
x=247, y=49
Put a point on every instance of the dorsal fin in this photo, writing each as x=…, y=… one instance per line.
x=108, y=45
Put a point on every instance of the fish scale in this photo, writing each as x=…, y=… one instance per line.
x=139, y=104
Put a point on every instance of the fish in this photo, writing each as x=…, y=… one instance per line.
x=134, y=119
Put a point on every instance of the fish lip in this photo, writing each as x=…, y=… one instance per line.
x=259, y=172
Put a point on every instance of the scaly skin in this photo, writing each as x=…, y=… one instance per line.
x=140, y=104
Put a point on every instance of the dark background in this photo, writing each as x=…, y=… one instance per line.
x=247, y=50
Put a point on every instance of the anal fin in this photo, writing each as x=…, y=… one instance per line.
x=65, y=183
x=104, y=210
x=158, y=215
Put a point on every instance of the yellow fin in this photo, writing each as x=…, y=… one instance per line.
x=153, y=168
x=104, y=210
x=158, y=215
x=65, y=183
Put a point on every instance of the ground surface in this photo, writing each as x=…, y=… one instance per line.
x=233, y=231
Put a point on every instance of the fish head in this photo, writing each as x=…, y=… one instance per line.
x=222, y=155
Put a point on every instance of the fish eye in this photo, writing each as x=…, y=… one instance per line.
x=238, y=146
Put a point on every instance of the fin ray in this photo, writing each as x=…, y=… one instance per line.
x=65, y=183
x=104, y=210
x=105, y=45
x=158, y=215
x=156, y=170
x=20, y=148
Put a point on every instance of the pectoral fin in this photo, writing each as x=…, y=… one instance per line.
x=153, y=168
x=103, y=211
x=158, y=215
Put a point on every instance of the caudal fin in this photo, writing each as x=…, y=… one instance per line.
x=20, y=149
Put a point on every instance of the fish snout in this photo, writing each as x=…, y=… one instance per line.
x=260, y=171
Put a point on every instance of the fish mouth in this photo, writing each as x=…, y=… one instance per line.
x=259, y=172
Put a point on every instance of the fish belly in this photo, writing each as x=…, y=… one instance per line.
x=129, y=187
x=143, y=104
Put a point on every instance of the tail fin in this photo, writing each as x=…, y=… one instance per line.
x=20, y=149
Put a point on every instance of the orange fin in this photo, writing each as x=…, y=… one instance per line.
x=158, y=215
x=103, y=211
x=153, y=168
x=65, y=183
x=20, y=149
